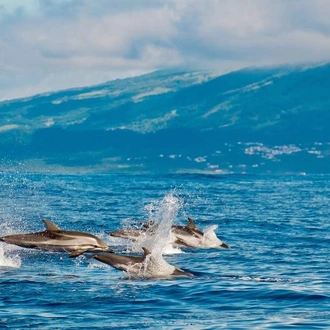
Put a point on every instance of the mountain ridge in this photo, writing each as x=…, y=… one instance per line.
x=168, y=119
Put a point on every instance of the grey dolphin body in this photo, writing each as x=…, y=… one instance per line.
x=147, y=266
x=54, y=239
x=132, y=234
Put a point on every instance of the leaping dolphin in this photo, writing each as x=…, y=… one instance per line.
x=57, y=240
x=182, y=236
x=191, y=236
x=146, y=266
x=135, y=234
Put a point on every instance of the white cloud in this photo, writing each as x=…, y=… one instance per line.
x=47, y=45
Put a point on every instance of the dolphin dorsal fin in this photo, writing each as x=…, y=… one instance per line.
x=50, y=226
x=191, y=224
x=146, y=251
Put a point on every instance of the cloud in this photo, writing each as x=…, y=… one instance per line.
x=49, y=45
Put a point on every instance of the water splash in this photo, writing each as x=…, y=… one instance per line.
x=6, y=260
x=153, y=266
x=6, y=257
x=169, y=249
x=162, y=215
x=157, y=238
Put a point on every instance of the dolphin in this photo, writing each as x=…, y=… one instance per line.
x=149, y=227
x=54, y=239
x=133, y=234
x=191, y=236
x=182, y=236
x=146, y=266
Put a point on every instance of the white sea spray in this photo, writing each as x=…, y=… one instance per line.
x=8, y=258
x=162, y=214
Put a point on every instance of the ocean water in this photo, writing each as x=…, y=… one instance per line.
x=275, y=276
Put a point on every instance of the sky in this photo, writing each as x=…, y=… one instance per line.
x=48, y=45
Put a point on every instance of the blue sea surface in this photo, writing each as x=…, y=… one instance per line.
x=275, y=276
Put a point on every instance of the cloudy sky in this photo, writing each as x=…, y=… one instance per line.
x=49, y=45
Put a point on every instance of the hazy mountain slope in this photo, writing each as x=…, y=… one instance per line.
x=179, y=120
